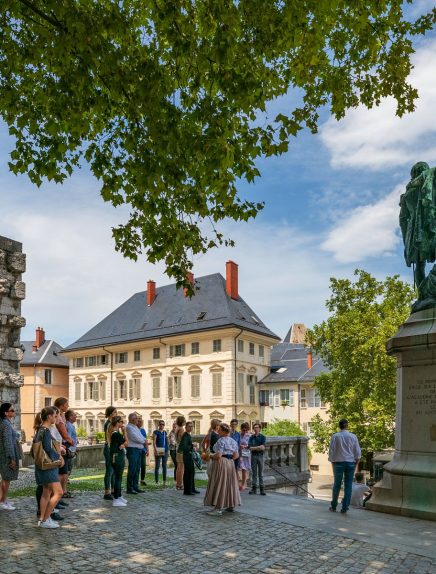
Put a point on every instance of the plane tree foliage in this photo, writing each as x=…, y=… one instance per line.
x=361, y=383
x=167, y=101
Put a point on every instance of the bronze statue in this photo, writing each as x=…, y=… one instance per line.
x=418, y=226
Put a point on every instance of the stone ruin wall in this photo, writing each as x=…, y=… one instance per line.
x=12, y=292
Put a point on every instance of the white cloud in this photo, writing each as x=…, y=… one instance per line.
x=377, y=139
x=368, y=231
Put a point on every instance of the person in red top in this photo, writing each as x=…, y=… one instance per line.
x=62, y=404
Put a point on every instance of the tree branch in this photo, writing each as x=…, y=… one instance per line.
x=46, y=17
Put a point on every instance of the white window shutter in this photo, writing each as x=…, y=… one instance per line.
x=85, y=391
x=116, y=391
x=170, y=388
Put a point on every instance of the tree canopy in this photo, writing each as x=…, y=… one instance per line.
x=283, y=427
x=361, y=383
x=166, y=100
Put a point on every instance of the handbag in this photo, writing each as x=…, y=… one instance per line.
x=41, y=458
x=160, y=450
x=197, y=459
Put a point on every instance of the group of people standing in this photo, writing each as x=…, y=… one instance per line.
x=55, y=433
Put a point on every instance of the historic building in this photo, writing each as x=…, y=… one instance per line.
x=162, y=353
x=45, y=373
x=287, y=392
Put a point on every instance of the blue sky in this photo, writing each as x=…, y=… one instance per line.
x=331, y=207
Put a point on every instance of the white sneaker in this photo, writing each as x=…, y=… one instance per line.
x=49, y=523
x=118, y=502
x=55, y=511
x=123, y=499
x=215, y=512
x=6, y=506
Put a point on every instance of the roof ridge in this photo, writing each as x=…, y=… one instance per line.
x=50, y=343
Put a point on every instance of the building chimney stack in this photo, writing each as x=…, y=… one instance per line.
x=309, y=359
x=39, y=337
x=190, y=278
x=232, y=279
x=151, y=292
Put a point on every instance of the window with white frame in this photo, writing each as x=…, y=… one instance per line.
x=153, y=424
x=48, y=378
x=121, y=357
x=310, y=398
x=155, y=387
x=252, y=389
x=217, y=390
x=306, y=428
x=77, y=390
x=134, y=389
x=177, y=350
x=91, y=361
x=195, y=348
x=216, y=345
x=78, y=363
x=196, y=425
x=195, y=385
x=91, y=390
x=47, y=401
x=251, y=348
x=261, y=351
x=120, y=389
x=156, y=353
x=240, y=346
x=102, y=360
x=177, y=380
x=287, y=397
x=136, y=356
x=241, y=387
x=264, y=398
x=170, y=388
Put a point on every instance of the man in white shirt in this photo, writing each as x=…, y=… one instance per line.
x=360, y=493
x=344, y=454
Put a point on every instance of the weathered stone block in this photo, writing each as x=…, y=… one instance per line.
x=8, y=307
x=4, y=287
x=16, y=322
x=11, y=353
x=18, y=290
x=17, y=262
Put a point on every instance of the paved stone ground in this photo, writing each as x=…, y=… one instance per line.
x=164, y=532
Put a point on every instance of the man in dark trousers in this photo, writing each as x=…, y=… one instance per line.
x=256, y=444
x=185, y=448
x=344, y=454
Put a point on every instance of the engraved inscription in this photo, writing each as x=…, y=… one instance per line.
x=422, y=395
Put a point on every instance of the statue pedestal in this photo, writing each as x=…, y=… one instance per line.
x=409, y=481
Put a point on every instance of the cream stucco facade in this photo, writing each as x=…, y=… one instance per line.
x=201, y=375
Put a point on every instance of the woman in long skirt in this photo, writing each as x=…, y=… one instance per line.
x=223, y=488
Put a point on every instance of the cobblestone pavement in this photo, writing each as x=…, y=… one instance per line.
x=166, y=532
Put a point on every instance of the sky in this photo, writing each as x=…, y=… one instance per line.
x=331, y=207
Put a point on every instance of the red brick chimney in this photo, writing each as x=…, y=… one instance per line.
x=232, y=279
x=190, y=278
x=151, y=292
x=39, y=337
x=309, y=359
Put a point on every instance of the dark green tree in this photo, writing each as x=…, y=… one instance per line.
x=162, y=98
x=361, y=383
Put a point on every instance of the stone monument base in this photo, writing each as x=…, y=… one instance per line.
x=408, y=487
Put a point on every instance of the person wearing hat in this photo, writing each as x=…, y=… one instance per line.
x=344, y=454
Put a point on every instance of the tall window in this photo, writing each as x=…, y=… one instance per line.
x=251, y=348
x=287, y=397
x=156, y=353
x=240, y=346
x=170, y=389
x=217, y=385
x=48, y=377
x=156, y=388
x=252, y=394
x=121, y=357
x=195, y=386
x=102, y=389
x=134, y=389
x=216, y=345
x=47, y=401
x=195, y=348
x=137, y=355
x=241, y=393
x=120, y=389
x=177, y=350
x=77, y=391
x=91, y=391
x=196, y=425
x=78, y=363
x=102, y=360
x=177, y=387
x=90, y=361
x=261, y=351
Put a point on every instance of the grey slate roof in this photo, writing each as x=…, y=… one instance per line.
x=171, y=313
x=292, y=358
x=48, y=354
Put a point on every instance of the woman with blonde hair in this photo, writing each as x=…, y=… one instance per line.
x=223, y=489
x=178, y=433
